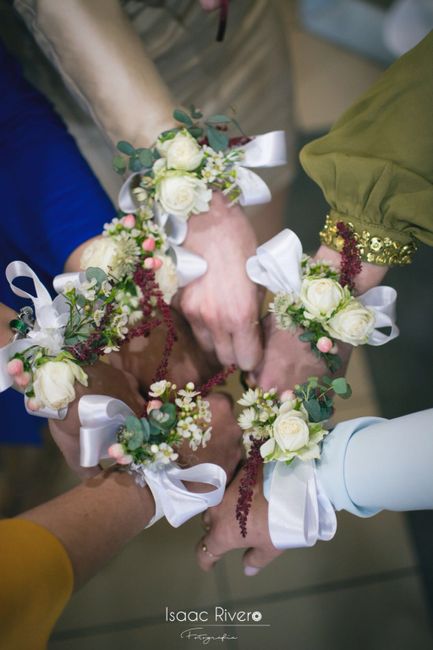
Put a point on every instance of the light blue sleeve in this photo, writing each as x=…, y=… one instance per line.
x=371, y=464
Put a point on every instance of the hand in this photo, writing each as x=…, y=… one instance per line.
x=288, y=361
x=224, y=533
x=222, y=307
x=224, y=448
x=102, y=380
x=187, y=362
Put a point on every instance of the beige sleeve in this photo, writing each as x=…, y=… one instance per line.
x=104, y=64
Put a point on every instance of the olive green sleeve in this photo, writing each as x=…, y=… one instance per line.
x=375, y=166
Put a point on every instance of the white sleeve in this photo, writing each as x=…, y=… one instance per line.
x=371, y=464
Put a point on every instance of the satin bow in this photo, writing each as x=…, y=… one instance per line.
x=50, y=317
x=101, y=417
x=266, y=150
x=277, y=266
x=299, y=512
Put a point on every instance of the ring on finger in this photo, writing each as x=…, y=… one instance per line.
x=205, y=549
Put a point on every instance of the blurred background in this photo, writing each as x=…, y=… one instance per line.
x=372, y=585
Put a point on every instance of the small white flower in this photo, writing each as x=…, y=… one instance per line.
x=158, y=388
x=166, y=277
x=247, y=417
x=250, y=397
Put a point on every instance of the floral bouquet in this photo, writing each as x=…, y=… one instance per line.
x=284, y=429
x=173, y=416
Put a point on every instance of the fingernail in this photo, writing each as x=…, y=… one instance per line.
x=251, y=570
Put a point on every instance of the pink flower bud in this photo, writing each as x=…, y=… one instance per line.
x=148, y=244
x=287, y=395
x=157, y=263
x=23, y=379
x=15, y=367
x=154, y=404
x=128, y=221
x=33, y=404
x=116, y=451
x=324, y=344
x=149, y=263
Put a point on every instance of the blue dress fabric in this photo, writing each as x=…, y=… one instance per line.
x=50, y=200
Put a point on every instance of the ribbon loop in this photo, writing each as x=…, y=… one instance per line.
x=277, y=263
x=100, y=418
x=299, y=513
x=382, y=300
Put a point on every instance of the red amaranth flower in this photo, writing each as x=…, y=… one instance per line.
x=351, y=264
x=246, y=487
x=216, y=380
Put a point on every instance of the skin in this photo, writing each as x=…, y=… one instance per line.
x=281, y=370
x=222, y=306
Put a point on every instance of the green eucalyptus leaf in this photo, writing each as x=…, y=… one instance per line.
x=125, y=147
x=119, y=164
x=340, y=386
x=217, y=139
x=307, y=336
x=182, y=117
x=146, y=429
x=196, y=131
x=314, y=410
x=218, y=119
x=133, y=424
x=93, y=272
x=134, y=164
x=145, y=157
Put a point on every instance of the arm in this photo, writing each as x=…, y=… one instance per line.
x=366, y=466
x=95, y=520
x=375, y=166
x=84, y=40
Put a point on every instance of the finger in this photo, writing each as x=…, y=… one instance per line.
x=255, y=559
x=224, y=347
x=206, y=520
x=207, y=553
x=247, y=343
x=210, y=5
x=202, y=335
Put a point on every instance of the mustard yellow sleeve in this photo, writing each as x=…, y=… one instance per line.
x=375, y=166
x=36, y=583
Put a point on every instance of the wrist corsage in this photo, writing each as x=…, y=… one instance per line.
x=288, y=432
x=317, y=297
x=176, y=176
x=148, y=447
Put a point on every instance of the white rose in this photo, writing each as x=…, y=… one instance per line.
x=353, y=324
x=166, y=277
x=321, y=296
x=182, y=152
x=101, y=254
x=54, y=383
x=183, y=194
x=291, y=431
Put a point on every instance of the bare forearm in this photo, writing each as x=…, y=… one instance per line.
x=105, y=65
x=95, y=520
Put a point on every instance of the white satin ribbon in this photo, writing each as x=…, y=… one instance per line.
x=50, y=317
x=299, y=512
x=266, y=150
x=277, y=266
x=101, y=417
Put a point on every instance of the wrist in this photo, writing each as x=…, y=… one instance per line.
x=370, y=276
